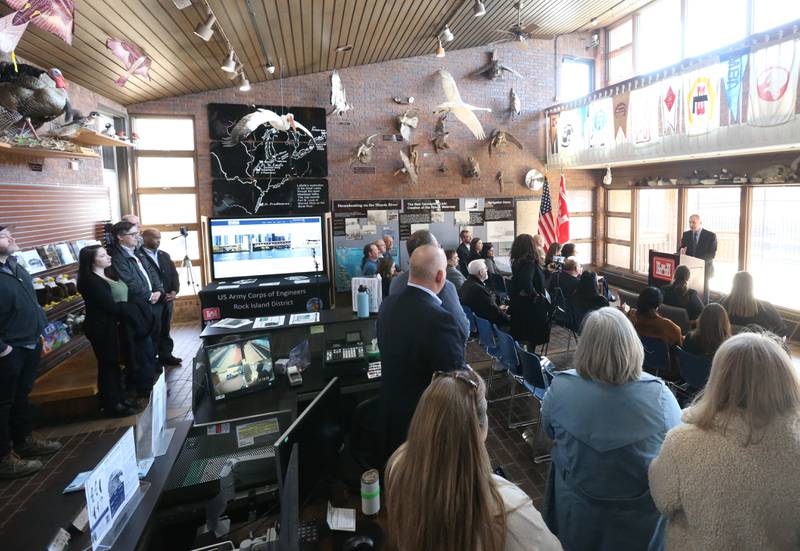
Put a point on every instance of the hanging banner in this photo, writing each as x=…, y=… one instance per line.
x=643, y=119
x=600, y=123
x=701, y=107
x=554, y=134
x=734, y=76
x=620, y=106
x=773, y=84
x=669, y=106
x=568, y=132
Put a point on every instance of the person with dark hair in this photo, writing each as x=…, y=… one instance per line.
x=453, y=275
x=649, y=323
x=369, y=262
x=387, y=270
x=527, y=277
x=713, y=328
x=465, y=238
x=105, y=299
x=567, y=250
x=679, y=295
x=585, y=298
x=529, y=306
x=448, y=294
x=475, y=247
x=161, y=262
x=745, y=309
x=21, y=323
x=487, y=253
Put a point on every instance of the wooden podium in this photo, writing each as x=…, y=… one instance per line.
x=662, y=268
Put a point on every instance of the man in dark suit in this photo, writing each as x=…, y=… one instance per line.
x=566, y=279
x=700, y=243
x=463, y=251
x=480, y=298
x=416, y=337
x=161, y=261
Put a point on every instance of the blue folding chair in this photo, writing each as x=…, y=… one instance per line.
x=564, y=315
x=656, y=356
x=473, y=327
x=694, y=369
x=486, y=339
x=533, y=379
x=509, y=361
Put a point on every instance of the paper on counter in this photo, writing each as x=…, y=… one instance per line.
x=341, y=519
x=271, y=321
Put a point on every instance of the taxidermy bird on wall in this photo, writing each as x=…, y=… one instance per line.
x=410, y=164
x=338, y=96
x=32, y=95
x=516, y=105
x=70, y=129
x=439, y=140
x=363, y=153
x=406, y=122
x=501, y=138
x=133, y=59
x=252, y=121
x=473, y=169
x=454, y=104
x=495, y=68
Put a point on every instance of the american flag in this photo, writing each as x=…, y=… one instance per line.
x=547, y=226
x=563, y=212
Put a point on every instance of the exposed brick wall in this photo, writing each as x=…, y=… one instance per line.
x=370, y=89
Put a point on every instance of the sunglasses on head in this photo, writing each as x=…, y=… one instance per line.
x=459, y=374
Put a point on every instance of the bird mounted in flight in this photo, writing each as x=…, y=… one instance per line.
x=252, y=121
x=338, y=96
x=454, y=104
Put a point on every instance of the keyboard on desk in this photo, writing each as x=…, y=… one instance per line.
x=338, y=353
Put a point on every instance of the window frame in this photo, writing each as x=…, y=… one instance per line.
x=622, y=49
x=589, y=62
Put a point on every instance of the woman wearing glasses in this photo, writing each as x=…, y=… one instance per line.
x=607, y=420
x=445, y=497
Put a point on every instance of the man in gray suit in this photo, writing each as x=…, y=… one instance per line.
x=448, y=294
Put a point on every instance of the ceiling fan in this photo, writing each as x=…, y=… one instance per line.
x=517, y=33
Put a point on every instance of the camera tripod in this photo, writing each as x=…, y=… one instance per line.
x=186, y=264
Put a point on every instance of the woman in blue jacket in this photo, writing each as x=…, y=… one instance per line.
x=608, y=420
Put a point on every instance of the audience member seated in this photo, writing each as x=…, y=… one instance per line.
x=416, y=337
x=387, y=270
x=448, y=294
x=713, y=328
x=568, y=249
x=679, y=295
x=480, y=298
x=487, y=253
x=369, y=262
x=465, y=236
x=552, y=251
x=454, y=276
x=530, y=307
x=445, y=497
x=649, y=323
x=744, y=309
x=728, y=477
x=585, y=298
x=607, y=420
x=567, y=278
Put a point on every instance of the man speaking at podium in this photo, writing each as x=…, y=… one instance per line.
x=700, y=243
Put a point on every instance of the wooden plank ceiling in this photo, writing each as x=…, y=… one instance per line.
x=300, y=36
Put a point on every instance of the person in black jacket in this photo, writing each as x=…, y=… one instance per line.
x=480, y=298
x=679, y=295
x=161, y=261
x=105, y=301
x=416, y=337
x=566, y=279
x=463, y=251
x=700, y=243
x=530, y=308
x=21, y=324
x=586, y=298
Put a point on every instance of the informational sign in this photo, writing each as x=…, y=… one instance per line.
x=501, y=208
x=413, y=218
x=427, y=205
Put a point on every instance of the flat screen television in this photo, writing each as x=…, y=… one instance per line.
x=239, y=367
x=267, y=246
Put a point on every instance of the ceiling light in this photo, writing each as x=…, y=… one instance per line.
x=447, y=34
x=182, y=4
x=270, y=67
x=229, y=65
x=594, y=21
x=345, y=48
x=244, y=84
x=205, y=30
x=440, y=49
x=478, y=10
x=235, y=73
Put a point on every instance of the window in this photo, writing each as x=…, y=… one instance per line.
x=581, y=223
x=166, y=187
x=618, y=228
x=712, y=24
x=658, y=32
x=657, y=223
x=620, y=51
x=577, y=78
x=719, y=210
x=768, y=14
x=774, y=244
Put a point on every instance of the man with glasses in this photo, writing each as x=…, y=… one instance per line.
x=21, y=324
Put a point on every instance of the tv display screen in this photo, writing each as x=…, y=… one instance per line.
x=276, y=245
x=240, y=366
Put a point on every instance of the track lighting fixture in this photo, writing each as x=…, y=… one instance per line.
x=244, y=83
x=229, y=65
x=440, y=49
x=447, y=34
x=182, y=4
x=478, y=9
x=270, y=67
x=205, y=30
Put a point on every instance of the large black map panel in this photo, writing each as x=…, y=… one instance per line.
x=274, y=196
x=268, y=152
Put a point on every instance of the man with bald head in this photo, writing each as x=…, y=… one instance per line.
x=161, y=262
x=416, y=337
x=700, y=243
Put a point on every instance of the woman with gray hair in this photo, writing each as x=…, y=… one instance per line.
x=607, y=419
x=728, y=478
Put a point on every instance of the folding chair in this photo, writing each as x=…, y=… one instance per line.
x=656, y=356
x=694, y=369
x=473, y=327
x=486, y=339
x=564, y=316
x=533, y=379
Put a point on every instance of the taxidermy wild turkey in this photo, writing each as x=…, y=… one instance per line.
x=32, y=95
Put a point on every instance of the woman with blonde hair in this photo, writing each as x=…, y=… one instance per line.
x=745, y=309
x=607, y=420
x=728, y=478
x=444, y=497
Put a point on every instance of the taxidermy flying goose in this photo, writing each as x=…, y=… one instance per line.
x=338, y=96
x=250, y=122
x=454, y=104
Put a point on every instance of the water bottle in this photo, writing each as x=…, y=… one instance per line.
x=363, y=301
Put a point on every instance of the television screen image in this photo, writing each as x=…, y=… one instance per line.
x=243, y=247
x=240, y=366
